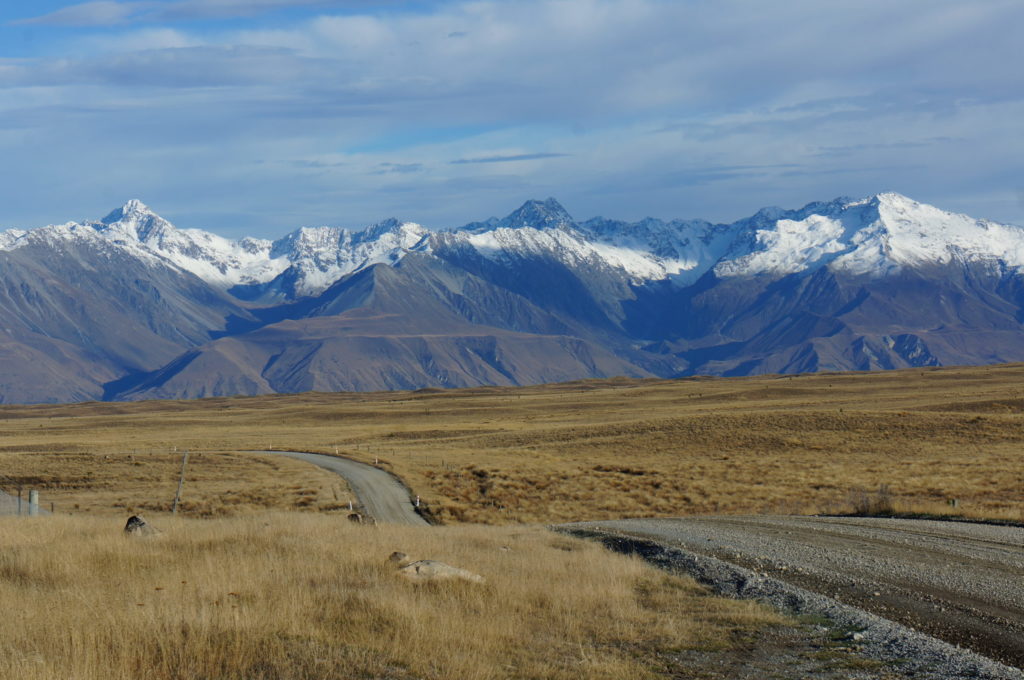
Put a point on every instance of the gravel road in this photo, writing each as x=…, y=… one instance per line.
x=382, y=496
x=962, y=583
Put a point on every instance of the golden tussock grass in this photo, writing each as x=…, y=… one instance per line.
x=217, y=484
x=301, y=596
x=588, y=450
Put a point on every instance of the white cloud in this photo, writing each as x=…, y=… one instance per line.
x=97, y=13
x=141, y=40
x=673, y=108
x=113, y=12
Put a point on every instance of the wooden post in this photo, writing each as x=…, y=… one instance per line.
x=181, y=482
x=19, y=501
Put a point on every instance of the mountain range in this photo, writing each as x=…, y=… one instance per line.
x=131, y=307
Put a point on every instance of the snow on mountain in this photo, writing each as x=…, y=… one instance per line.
x=9, y=238
x=874, y=236
x=652, y=249
x=540, y=215
x=321, y=255
x=645, y=251
x=212, y=258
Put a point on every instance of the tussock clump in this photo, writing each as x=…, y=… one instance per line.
x=301, y=597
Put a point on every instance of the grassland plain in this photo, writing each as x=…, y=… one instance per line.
x=304, y=596
x=549, y=453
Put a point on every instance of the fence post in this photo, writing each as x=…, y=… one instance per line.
x=181, y=481
x=33, y=503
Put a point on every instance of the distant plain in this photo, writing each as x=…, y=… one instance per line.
x=551, y=453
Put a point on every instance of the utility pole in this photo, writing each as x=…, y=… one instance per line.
x=181, y=482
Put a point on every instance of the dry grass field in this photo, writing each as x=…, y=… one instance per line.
x=588, y=450
x=304, y=596
x=217, y=484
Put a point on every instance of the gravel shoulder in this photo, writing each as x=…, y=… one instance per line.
x=382, y=496
x=959, y=583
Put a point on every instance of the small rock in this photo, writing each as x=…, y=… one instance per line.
x=355, y=517
x=431, y=570
x=397, y=558
x=137, y=526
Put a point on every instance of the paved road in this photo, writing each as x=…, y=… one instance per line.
x=963, y=583
x=382, y=496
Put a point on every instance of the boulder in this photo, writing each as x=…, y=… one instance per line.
x=137, y=526
x=432, y=570
x=397, y=558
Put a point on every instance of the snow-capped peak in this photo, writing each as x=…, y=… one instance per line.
x=134, y=220
x=874, y=236
x=533, y=214
x=547, y=214
x=133, y=209
x=322, y=255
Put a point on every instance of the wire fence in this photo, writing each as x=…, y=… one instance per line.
x=11, y=505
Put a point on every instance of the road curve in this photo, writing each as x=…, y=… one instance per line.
x=383, y=498
x=959, y=582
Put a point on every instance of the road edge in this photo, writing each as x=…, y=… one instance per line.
x=880, y=638
x=422, y=510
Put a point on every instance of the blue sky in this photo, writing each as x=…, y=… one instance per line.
x=254, y=117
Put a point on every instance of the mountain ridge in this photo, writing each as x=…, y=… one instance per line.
x=130, y=306
x=772, y=240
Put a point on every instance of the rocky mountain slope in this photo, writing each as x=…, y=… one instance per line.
x=132, y=307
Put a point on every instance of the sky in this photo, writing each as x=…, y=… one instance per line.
x=256, y=117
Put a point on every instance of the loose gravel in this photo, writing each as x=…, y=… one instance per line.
x=381, y=495
x=963, y=582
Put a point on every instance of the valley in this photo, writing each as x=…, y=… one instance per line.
x=555, y=453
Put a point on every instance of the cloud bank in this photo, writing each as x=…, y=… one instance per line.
x=449, y=112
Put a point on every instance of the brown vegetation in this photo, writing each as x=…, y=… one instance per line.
x=216, y=484
x=602, y=449
x=300, y=596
